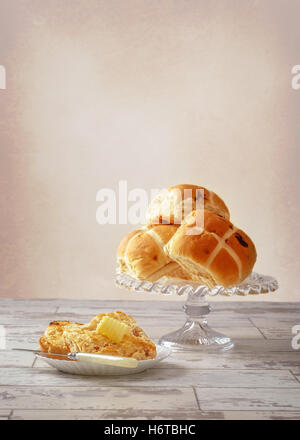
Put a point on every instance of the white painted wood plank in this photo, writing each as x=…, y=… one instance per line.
x=259, y=309
x=170, y=307
x=232, y=360
x=157, y=302
x=262, y=345
x=250, y=399
x=119, y=414
x=23, y=337
x=64, y=398
x=280, y=322
x=152, y=320
x=18, y=306
x=261, y=415
x=131, y=414
x=220, y=304
x=296, y=372
x=179, y=320
x=280, y=328
x=232, y=332
x=277, y=333
x=221, y=310
x=12, y=359
x=154, y=377
x=30, y=319
x=133, y=307
x=273, y=325
x=4, y=414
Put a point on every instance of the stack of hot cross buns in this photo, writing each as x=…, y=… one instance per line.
x=188, y=236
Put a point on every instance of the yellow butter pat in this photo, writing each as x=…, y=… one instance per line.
x=112, y=328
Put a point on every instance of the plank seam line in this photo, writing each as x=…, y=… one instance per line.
x=166, y=388
x=196, y=397
x=33, y=363
x=294, y=375
x=166, y=410
x=250, y=319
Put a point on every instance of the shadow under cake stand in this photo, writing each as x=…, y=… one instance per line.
x=196, y=335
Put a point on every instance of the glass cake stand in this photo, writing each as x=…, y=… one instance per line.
x=196, y=335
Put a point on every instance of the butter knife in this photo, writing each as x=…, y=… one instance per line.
x=104, y=359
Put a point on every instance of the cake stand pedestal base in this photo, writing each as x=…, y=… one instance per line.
x=196, y=335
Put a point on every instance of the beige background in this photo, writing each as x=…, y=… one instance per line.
x=155, y=93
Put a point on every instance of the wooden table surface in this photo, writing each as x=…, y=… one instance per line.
x=258, y=379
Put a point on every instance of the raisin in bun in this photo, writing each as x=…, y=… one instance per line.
x=141, y=254
x=174, y=204
x=218, y=254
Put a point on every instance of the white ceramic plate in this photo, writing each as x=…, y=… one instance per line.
x=95, y=369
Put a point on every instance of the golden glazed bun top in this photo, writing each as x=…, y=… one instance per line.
x=174, y=204
x=218, y=254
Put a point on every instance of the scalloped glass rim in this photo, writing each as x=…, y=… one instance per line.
x=255, y=284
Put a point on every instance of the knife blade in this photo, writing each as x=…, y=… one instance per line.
x=41, y=352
